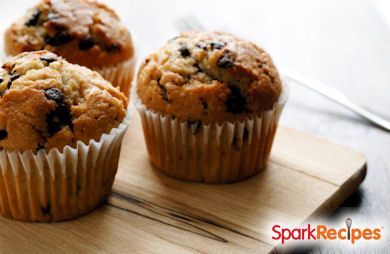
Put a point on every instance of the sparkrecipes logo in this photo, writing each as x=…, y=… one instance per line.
x=322, y=232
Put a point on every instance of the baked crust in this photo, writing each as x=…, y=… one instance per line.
x=84, y=32
x=46, y=102
x=209, y=77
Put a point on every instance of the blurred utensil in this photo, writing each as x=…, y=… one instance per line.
x=334, y=95
x=190, y=22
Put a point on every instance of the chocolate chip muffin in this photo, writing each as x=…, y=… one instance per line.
x=227, y=92
x=45, y=102
x=61, y=126
x=84, y=32
x=209, y=77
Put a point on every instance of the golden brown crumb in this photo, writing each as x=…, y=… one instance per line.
x=84, y=32
x=46, y=102
x=209, y=76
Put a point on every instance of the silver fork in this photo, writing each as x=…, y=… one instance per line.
x=190, y=22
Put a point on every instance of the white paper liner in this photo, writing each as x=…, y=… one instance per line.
x=211, y=153
x=58, y=185
x=120, y=75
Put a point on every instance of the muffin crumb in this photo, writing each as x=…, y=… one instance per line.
x=83, y=32
x=209, y=77
x=46, y=102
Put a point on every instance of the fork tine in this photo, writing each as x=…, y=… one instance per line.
x=195, y=22
x=188, y=23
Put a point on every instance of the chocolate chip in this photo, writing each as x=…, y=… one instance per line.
x=34, y=18
x=216, y=45
x=59, y=39
x=46, y=210
x=15, y=76
x=86, y=44
x=184, y=51
x=201, y=46
x=48, y=59
x=225, y=62
x=54, y=94
x=58, y=118
x=1, y=80
x=236, y=103
x=8, y=66
x=198, y=69
x=114, y=48
x=3, y=134
x=164, y=94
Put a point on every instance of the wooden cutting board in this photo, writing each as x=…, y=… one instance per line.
x=149, y=212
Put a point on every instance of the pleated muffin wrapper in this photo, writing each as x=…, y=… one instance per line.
x=55, y=185
x=120, y=75
x=211, y=153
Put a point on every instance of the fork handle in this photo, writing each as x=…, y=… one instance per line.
x=334, y=95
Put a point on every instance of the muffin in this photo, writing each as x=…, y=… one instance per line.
x=61, y=127
x=210, y=104
x=84, y=32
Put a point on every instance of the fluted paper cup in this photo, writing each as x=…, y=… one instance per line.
x=55, y=185
x=211, y=153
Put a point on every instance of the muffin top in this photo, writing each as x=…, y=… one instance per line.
x=46, y=102
x=84, y=32
x=209, y=77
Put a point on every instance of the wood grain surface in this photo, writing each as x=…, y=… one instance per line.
x=306, y=177
x=344, y=43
